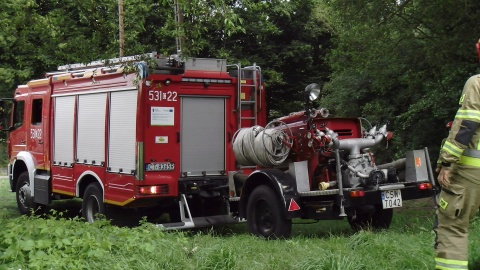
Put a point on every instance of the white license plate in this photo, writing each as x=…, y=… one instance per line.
x=160, y=166
x=392, y=198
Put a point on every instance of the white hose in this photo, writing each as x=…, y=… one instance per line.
x=243, y=146
x=259, y=146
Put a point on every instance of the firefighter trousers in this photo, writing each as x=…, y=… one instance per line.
x=457, y=204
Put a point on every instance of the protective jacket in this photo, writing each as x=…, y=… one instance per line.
x=462, y=146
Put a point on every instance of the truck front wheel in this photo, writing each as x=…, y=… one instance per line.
x=92, y=205
x=23, y=192
x=265, y=214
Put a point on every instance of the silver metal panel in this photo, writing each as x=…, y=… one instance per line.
x=202, y=136
x=193, y=63
x=416, y=166
x=63, y=132
x=122, y=131
x=91, y=111
x=299, y=171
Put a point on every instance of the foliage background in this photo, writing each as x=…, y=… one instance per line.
x=401, y=62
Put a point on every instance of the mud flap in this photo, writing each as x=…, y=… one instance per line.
x=42, y=189
x=284, y=186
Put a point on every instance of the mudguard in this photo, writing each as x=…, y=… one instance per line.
x=27, y=161
x=283, y=184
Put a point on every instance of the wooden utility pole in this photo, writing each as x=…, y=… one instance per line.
x=120, y=27
x=179, y=21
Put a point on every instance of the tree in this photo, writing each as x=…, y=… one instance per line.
x=404, y=62
x=284, y=37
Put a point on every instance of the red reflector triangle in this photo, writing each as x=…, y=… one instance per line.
x=293, y=206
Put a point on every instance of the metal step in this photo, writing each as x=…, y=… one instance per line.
x=199, y=222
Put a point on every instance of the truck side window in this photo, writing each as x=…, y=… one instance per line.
x=37, y=111
x=18, y=111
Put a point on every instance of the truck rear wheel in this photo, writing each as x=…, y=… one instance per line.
x=382, y=218
x=265, y=214
x=24, y=195
x=92, y=206
x=379, y=219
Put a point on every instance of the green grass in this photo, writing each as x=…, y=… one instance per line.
x=60, y=242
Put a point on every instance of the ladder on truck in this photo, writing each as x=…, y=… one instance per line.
x=253, y=101
x=173, y=64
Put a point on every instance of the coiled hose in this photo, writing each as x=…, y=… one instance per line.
x=259, y=146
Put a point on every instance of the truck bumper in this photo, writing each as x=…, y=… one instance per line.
x=411, y=192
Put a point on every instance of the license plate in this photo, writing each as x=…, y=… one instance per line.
x=391, y=198
x=160, y=166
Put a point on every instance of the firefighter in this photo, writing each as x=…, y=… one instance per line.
x=439, y=161
x=460, y=180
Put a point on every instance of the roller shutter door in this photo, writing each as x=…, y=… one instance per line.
x=63, y=130
x=122, y=131
x=91, y=128
x=202, y=136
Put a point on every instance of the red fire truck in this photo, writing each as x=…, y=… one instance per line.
x=189, y=137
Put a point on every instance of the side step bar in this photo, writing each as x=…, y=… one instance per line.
x=199, y=222
x=187, y=222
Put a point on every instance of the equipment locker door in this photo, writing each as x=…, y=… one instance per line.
x=202, y=136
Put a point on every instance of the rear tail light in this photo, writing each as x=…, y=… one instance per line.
x=153, y=190
x=357, y=193
x=424, y=186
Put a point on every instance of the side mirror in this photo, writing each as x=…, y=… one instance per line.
x=312, y=92
x=2, y=129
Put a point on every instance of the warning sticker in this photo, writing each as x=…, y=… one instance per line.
x=293, y=206
x=418, y=162
x=161, y=139
x=162, y=116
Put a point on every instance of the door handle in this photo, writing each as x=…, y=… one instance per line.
x=22, y=141
x=40, y=142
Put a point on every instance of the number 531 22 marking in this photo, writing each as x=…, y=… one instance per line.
x=161, y=95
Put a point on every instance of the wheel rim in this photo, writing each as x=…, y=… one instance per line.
x=24, y=195
x=264, y=218
x=93, y=208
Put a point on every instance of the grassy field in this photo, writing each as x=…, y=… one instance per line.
x=58, y=242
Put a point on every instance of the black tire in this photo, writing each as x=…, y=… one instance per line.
x=266, y=216
x=382, y=218
x=23, y=191
x=93, y=207
x=379, y=219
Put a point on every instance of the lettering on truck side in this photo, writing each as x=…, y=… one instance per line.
x=35, y=133
x=156, y=95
